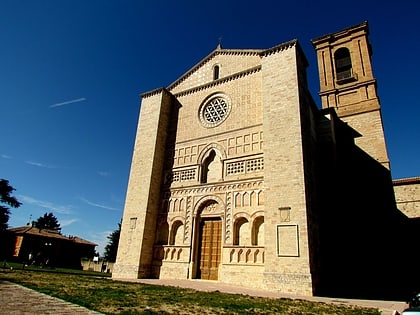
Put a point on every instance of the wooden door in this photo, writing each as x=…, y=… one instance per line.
x=210, y=249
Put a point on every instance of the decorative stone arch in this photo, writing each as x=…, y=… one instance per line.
x=239, y=215
x=208, y=225
x=176, y=218
x=260, y=197
x=257, y=214
x=246, y=198
x=176, y=236
x=211, y=160
x=203, y=202
x=257, y=232
x=175, y=205
x=206, y=150
x=241, y=229
x=182, y=203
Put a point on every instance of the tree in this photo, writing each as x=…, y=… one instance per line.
x=47, y=221
x=112, y=246
x=5, y=197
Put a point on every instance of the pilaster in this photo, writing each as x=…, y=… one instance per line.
x=144, y=188
x=287, y=266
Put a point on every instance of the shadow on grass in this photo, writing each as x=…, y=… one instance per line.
x=107, y=296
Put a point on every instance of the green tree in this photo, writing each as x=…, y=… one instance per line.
x=5, y=197
x=112, y=246
x=47, y=221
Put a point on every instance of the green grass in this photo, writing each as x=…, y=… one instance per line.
x=17, y=266
x=115, y=297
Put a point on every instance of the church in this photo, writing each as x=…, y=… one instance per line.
x=238, y=177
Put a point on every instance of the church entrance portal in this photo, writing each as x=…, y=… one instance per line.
x=209, y=255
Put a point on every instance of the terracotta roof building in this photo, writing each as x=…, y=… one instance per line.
x=47, y=247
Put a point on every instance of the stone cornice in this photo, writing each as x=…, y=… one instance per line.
x=216, y=188
x=284, y=46
x=343, y=33
x=349, y=87
x=219, y=81
x=406, y=181
x=278, y=48
x=154, y=92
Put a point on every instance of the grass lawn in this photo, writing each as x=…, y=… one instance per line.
x=114, y=297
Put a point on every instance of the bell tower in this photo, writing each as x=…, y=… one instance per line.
x=347, y=84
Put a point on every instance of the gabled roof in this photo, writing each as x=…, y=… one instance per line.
x=31, y=230
x=217, y=51
x=79, y=240
x=220, y=51
x=34, y=231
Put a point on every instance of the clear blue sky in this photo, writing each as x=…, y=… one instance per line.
x=71, y=73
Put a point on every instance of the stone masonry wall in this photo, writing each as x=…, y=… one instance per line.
x=287, y=252
x=407, y=195
x=135, y=249
x=229, y=63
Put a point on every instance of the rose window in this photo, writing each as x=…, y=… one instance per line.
x=214, y=111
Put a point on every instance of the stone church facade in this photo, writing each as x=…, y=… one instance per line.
x=238, y=177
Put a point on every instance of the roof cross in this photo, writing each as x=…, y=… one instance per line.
x=219, y=45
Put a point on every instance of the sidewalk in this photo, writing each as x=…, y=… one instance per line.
x=18, y=300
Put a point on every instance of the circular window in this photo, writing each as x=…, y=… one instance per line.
x=214, y=111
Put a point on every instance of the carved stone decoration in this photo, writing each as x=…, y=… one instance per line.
x=211, y=205
x=188, y=219
x=228, y=214
x=285, y=214
x=219, y=188
x=211, y=208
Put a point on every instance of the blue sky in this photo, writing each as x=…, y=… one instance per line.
x=71, y=73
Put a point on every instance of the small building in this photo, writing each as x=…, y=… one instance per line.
x=47, y=247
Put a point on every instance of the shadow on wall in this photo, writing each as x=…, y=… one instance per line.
x=367, y=246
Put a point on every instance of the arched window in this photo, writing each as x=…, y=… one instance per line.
x=343, y=66
x=241, y=232
x=216, y=72
x=211, y=168
x=258, y=231
x=177, y=233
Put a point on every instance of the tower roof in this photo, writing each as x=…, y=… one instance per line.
x=342, y=33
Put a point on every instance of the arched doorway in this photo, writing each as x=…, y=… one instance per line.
x=209, y=248
x=208, y=240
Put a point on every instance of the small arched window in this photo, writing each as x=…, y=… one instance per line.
x=343, y=66
x=212, y=168
x=241, y=232
x=258, y=231
x=177, y=233
x=216, y=70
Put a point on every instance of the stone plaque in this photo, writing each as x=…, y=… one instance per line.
x=288, y=240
